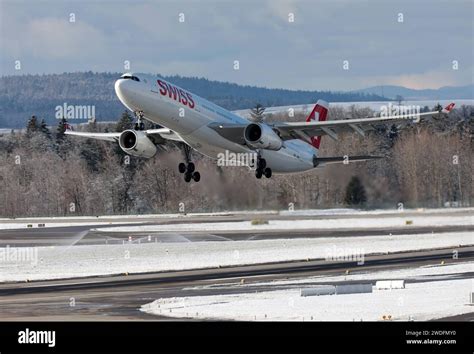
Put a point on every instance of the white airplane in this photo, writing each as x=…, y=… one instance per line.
x=195, y=123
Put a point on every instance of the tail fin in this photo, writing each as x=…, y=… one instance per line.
x=448, y=108
x=319, y=113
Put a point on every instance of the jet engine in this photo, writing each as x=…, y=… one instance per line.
x=261, y=136
x=136, y=143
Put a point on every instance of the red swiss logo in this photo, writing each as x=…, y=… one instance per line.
x=176, y=93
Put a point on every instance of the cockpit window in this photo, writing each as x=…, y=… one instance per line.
x=134, y=78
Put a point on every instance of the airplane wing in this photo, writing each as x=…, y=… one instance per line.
x=292, y=130
x=98, y=136
x=160, y=135
x=306, y=130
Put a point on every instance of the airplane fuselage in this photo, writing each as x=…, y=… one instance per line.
x=189, y=115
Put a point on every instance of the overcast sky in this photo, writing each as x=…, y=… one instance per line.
x=308, y=53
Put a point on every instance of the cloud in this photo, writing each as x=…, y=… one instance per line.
x=58, y=39
x=431, y=79
x=306, y=54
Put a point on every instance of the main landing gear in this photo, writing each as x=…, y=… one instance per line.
x=139, y=125
x=262, y=169
x=188, y=168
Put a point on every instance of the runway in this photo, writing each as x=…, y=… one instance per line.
x=85, y=232
x=120, y=297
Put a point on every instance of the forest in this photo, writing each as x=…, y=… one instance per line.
x=46, y=173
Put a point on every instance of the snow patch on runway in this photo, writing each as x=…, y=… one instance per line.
x=418, y=301
x=93, y=260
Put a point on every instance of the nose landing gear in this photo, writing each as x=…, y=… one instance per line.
x=188, y=168
x=139, y=125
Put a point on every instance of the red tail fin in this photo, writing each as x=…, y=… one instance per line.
x=448, y=108
x=319, y=113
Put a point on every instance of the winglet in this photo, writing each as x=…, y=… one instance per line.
x=448, y=108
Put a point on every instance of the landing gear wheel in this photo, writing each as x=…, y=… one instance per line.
x=258, y=173
x=135, y=126
x=191, y=167
x=142, y=126
x=267, y=172
x=261, y=164
x=188, y=168
x=196, y=176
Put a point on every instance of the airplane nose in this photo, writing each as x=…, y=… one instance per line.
x=120, y=87
x=123, y=90
x=125, y=93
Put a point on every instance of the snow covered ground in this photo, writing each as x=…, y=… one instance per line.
x=374, y=212
x=418, y=301
x=25, y=225
x=127, y=217
x=56, y=262
x=424, y=273
x=98, y=220
x=339, y=223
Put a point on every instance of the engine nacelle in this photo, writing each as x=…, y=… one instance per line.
x=261, y=136
x=136, y=143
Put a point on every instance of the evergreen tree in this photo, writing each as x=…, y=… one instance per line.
x=32, y=125
x=257, y=112
x=438, y=107
x=355, y=192
x=392, y=135
x=125, y=122
x=61, y=128
x=44, y=129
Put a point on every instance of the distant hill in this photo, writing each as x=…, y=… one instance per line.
x=24, y=95
x=446, y=92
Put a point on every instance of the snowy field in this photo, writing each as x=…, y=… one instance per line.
x=424, y=273
x=339, y=224
x=56, y=262
x=418, y=301
x=127, y=217
x=8, y=223
x=30, y=225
